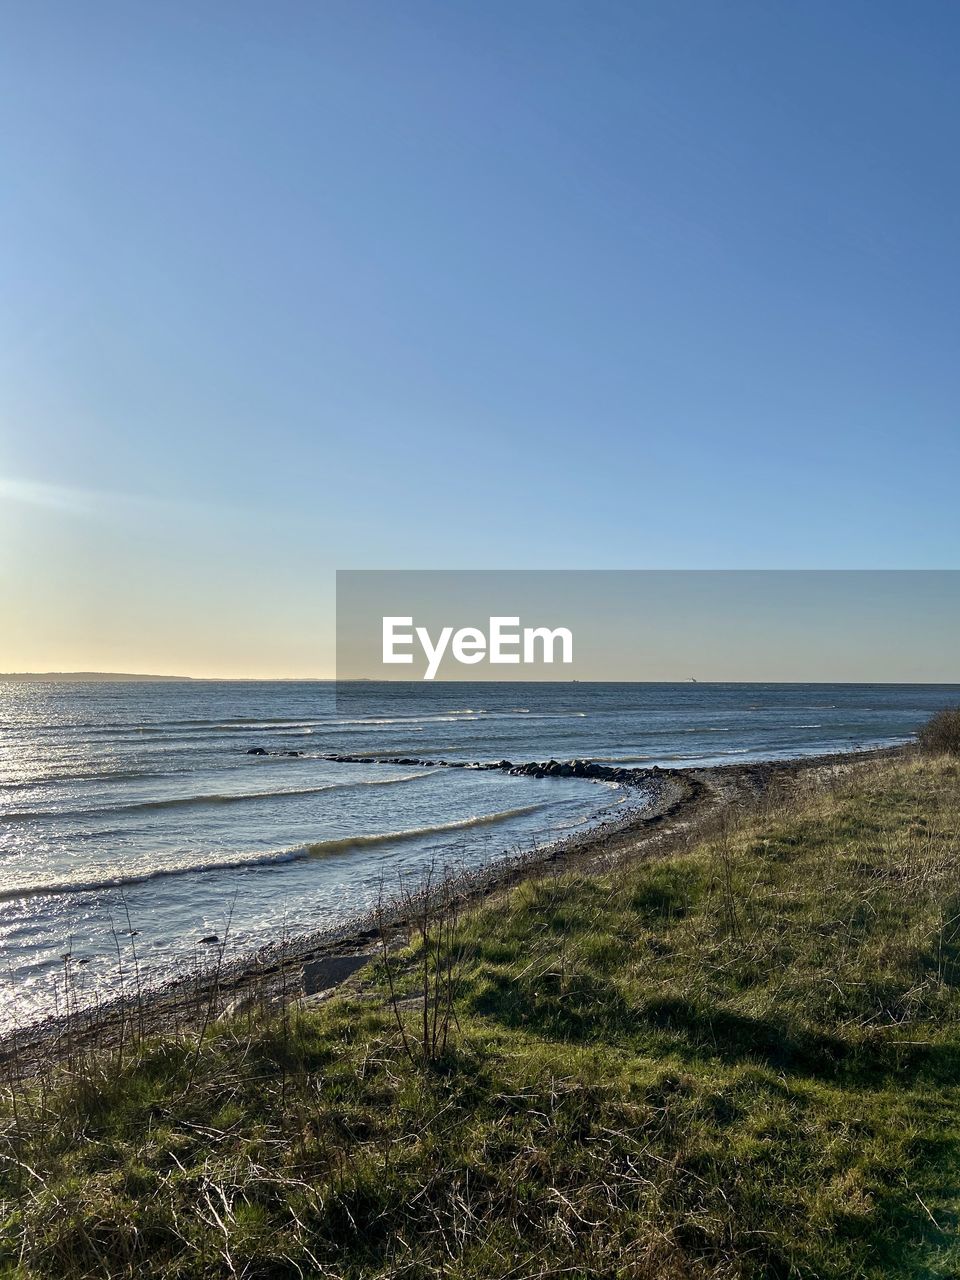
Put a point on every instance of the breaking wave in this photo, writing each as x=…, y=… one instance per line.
x=227, y=797
x=245, y=861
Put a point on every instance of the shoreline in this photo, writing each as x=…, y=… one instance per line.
x=309, y=967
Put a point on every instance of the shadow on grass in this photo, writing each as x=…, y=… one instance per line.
x=594, y=1011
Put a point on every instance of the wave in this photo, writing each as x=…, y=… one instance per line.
x=228, y=797
x=101, y=775
x=126, y=726
x=56, y=888
x=193, y=732
x=638, y=759
x=415, y=833
x=671, y=755
x=276, y=857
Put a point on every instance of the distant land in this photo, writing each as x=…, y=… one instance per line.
x=68, y=677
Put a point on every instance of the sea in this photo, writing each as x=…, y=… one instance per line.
x=134, y=823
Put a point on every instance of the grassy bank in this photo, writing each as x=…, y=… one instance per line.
x=739, y=1061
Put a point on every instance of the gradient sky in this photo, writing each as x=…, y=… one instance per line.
x=304, y=286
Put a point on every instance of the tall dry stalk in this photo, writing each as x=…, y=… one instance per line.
x=433, y=911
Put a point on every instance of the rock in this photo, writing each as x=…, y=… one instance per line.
x=504, y=764
x=257, y=751
x=239, y=1004
x=330, y=971
x=211, y=937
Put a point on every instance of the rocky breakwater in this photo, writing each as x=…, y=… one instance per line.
x=577, y=768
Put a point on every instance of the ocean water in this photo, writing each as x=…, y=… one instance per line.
x=133, y=823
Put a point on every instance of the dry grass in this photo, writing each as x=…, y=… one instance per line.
x=941, y=734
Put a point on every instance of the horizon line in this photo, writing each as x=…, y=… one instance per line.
x=134, y=676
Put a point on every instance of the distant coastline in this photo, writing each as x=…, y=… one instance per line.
x=84, y=677
x=114, y=677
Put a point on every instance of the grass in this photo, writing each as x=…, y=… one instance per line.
x=741, y=1061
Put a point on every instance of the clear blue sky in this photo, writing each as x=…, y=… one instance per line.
x=300, y=286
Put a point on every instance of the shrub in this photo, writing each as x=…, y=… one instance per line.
x=941, y=733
